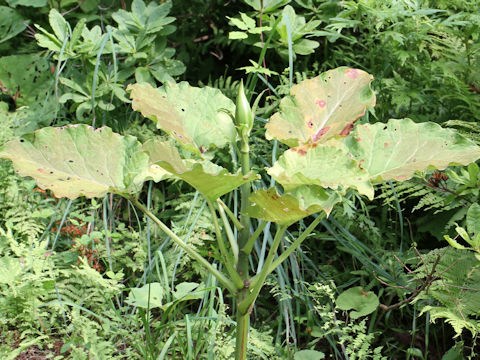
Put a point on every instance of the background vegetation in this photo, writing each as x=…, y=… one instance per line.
x=71, y=272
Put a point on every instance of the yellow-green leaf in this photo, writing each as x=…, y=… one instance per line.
x=399, y=148
x=195, y=117
x=211, y=180
x=327, y=165
x=322, y=107
x=77, y=160
x=290, y=207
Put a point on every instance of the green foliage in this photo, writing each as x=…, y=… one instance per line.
x=140, y=36
x=353, y=334
x=12, y=23
x=424, y=56
x=363, y=302
x=26, y=81
x=292, y=28
x=455, y=288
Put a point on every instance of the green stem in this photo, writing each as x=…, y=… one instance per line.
x=247, y=249
x=229, y=232
x=241, y=343
x=221, y=277
x=296, y=243
x=248, y=301
x=230, y=214
x=290, y=249
x=227, y=259
x=242, y=266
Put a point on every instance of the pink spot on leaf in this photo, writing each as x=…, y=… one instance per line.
x=321, y=103
x=43, y=171
x=385, y=144
x=352, y=73
x=346, y=130
x=320, y=133
x=310, y=123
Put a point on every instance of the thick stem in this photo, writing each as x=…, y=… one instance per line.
x=241, y=343
x=221, y=277
x=244, y=234
x=243, y=318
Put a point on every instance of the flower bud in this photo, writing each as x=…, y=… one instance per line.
x=243, y=113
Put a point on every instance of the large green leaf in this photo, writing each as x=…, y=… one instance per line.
x=399, y=148
x=196, y=117
x=77, y=160
x=322, y=107
x=32, y=3
x=327, y=165
x=27, y=79
x=211, y=180
x=11, y=23
x=290, y=207
x=473, y=220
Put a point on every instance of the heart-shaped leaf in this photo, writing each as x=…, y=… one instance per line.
x=327, y=165
x=290, y=207
x=364, y=302
x=77, y=160
x=322, y=107
x=196, y=117
x=148, y=296
x=211, y=180
x=399, y=148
